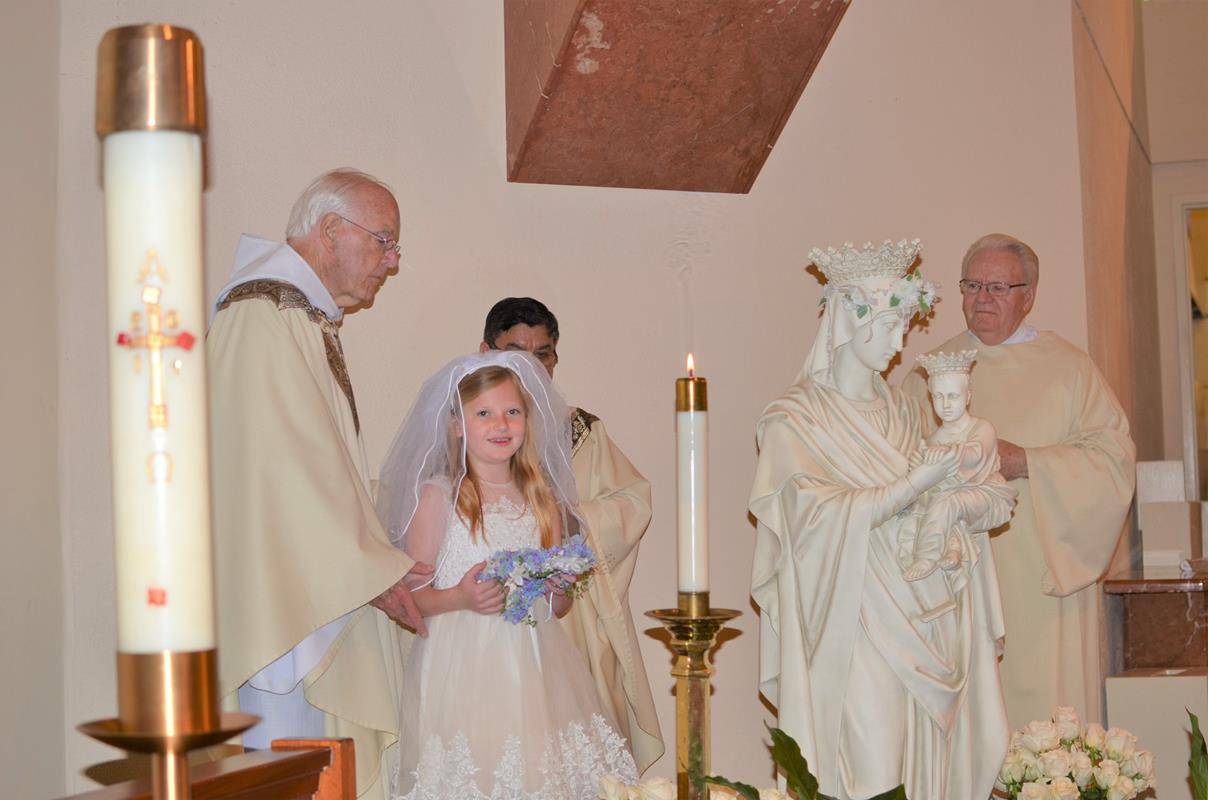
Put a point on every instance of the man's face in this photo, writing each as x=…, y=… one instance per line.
x=992, y=318
x=362, y=262
x=949, y=395
x=532, y=338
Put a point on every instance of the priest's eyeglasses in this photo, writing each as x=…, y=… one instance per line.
x=994, y=288
x=387, y=244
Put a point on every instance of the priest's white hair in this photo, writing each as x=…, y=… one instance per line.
x=327, y=194
x=1002, y=241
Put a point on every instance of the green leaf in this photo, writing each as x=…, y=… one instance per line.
x=895, y=301
x=787, y=755
x=746, y=790
x=1198, y=761
x=893, y=794
x=861, y=312
x=923, y=304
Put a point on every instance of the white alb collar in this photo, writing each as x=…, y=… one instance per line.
x=264, y=259
x=1024, y=333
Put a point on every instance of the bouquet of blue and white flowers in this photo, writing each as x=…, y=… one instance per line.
x=526, y=575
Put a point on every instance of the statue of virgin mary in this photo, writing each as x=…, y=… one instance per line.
x=882, y=681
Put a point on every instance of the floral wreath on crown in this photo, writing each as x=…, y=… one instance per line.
x=847, y=267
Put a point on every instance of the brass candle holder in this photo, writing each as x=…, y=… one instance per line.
x=150, y=78
x=168, y=704
x=693, y=626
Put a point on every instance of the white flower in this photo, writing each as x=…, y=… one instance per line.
x=1083, y=769
x=1031, y=767
x=772, y=794
x=1066, y=720
x=1055, y=763
x=1012, y=769
x=1094, y=736
x=1034, y=791
x=1122, y=789
x=1106, y=773
x=612, y=789
x=1139, y=767
x=721, y=793
x=1119, y=744
x=1064, y=789
x=656, y=789
x=1039, y=736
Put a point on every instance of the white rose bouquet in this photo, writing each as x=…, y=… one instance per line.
x=1060, y=759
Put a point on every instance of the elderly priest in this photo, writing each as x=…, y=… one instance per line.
x=1065, y=448
x=308, y=582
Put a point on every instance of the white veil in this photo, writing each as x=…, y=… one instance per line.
x=426, y=449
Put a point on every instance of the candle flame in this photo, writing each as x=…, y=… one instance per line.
x=691, y=366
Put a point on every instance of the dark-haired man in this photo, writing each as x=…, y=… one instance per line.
x=614, y=501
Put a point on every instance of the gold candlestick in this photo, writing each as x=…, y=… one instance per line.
x=151, y=114
x=693, y=627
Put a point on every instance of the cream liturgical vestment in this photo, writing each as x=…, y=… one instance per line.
x=298, y=546
x=615, y=504
x=1046, y=396
x=881, y=681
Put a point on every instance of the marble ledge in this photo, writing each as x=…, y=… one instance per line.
x=1156, y=580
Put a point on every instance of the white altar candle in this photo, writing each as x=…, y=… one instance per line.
x=157, y=380
x=692, y=480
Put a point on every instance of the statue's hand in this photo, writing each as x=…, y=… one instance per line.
x=938, y=464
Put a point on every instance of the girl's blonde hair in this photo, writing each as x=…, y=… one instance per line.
x=526, y=467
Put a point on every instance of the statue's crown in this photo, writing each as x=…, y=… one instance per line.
x=849, y=265
x=939, y=363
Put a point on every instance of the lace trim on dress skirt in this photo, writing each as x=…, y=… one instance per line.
x=572, y=762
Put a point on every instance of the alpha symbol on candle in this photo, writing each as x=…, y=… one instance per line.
x=152, y=266
x=157, y=596
x=155, y=338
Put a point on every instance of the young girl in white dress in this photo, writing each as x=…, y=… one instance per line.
x=491, y=709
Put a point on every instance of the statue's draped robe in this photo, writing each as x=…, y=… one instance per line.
x=874, y=694
x=298, y=544
x=1046, y=396
x=615, y=504
x=976, y=498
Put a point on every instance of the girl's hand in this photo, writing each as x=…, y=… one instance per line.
x=482, y=597
x=555, y=589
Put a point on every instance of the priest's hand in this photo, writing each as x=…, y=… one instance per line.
x=398, y=604
x=1014, y=460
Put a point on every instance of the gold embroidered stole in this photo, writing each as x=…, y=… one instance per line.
x=286, y=296
x=580, y=428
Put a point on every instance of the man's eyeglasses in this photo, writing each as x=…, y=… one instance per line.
x=994, y=288
x=387, y=244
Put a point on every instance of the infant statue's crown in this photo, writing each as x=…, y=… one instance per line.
x=960, y=361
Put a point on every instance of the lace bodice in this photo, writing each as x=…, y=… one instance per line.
x=507, y=526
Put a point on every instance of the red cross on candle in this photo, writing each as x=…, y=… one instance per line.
x=155, y=340
x=157, y=596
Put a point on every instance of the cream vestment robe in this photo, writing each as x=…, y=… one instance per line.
x=298, y=543
x=1046, y=396
x=615, y=504
x=881, y=681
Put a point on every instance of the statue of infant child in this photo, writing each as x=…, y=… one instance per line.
x=974, y=500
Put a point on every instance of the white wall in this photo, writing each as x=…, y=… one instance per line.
x=31, y=585
x=927, y=119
